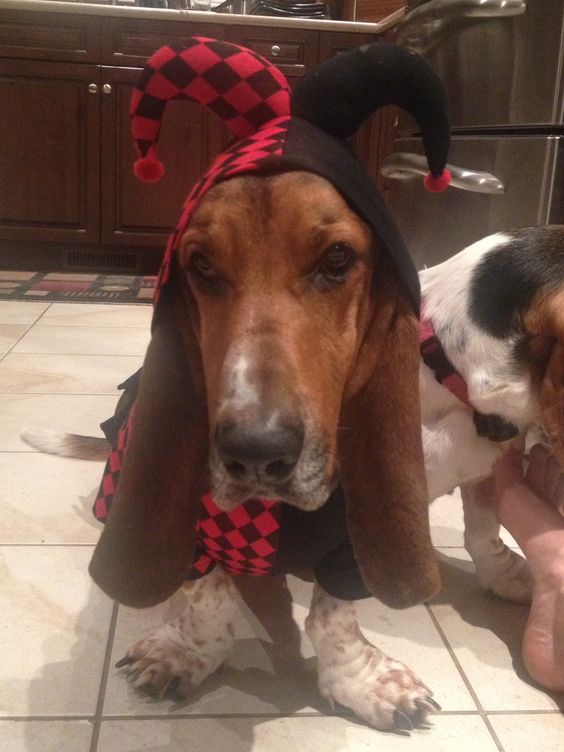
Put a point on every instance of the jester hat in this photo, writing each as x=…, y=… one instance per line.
x=149, y=538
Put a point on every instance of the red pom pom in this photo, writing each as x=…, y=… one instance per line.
x=437, y=185
x=148, y=169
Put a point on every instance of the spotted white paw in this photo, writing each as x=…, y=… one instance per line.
x=168, y=663
x=379, y=690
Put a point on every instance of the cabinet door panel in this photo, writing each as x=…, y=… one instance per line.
x=49, y=147
x=66, y=37
x=135, y=213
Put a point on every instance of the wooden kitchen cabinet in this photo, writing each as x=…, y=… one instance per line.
x=49, y=151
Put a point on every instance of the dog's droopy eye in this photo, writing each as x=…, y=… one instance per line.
x=204, y=273
x=336, y=262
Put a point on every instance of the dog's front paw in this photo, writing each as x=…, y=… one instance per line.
x=379, y=690
x=165, y=665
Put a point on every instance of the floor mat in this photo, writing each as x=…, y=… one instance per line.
x=86, y=288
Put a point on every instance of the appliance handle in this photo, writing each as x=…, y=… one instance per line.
x=403, y=166
x=426, y=25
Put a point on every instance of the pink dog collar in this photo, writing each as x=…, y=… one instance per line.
x=435, y=357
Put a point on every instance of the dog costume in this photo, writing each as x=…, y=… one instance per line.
x=275, y=131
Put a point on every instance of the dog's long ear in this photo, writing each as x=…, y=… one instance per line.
x=381, y=455
x=544, y=324
x=147, y=545
x=552, y=399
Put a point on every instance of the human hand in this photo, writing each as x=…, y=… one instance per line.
x=508, y=469
x=545, y=476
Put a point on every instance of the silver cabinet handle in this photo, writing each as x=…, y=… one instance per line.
x=275, y=50
x=403, y=166
x=423, y=27
x=107, y=88
x=93, y=88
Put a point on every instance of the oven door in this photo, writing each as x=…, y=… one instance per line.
x=515, y=181
x=500, y=60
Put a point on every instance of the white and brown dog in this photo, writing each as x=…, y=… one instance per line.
x=497, y=310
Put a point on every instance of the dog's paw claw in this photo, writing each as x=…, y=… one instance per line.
x=125, y=661
x=163, y=667
x=436, y=705
x=401, y=721
x=172, y=690
x=428, y=705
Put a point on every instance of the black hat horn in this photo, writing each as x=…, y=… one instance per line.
x=343, y=92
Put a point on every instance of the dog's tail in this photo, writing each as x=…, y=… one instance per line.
x=67, y=444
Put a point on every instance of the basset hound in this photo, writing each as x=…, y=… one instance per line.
x=276, y=423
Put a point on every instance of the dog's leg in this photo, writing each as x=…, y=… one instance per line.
x=499, y=569
x=380, y=690
x=178, y=656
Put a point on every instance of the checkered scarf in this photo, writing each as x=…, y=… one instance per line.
x=244, y=541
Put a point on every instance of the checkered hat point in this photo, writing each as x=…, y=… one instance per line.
x=238, y=85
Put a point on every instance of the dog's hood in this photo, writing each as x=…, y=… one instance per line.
x=277, y=130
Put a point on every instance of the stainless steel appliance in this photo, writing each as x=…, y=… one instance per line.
x=502, y=64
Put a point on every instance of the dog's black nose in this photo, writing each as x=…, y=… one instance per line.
x=267, y=452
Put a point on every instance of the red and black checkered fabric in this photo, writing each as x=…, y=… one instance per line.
x=242, y=157
x=112, y=470
x=244, y=541
x=239, y=86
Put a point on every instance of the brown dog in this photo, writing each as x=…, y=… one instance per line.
x=283, y=367
x=305, y=346
x=292, y=329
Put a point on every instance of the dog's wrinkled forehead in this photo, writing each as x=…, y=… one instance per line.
x=296, y=201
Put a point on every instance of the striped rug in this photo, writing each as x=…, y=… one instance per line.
x=86, y=288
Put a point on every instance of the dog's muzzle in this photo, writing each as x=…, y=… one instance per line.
x=264, y=453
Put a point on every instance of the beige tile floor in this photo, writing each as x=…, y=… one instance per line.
x=60, y=636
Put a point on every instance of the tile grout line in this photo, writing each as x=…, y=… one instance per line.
x=211, y=716
x=29, y=328
x=98, y=713
x=465, y=679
